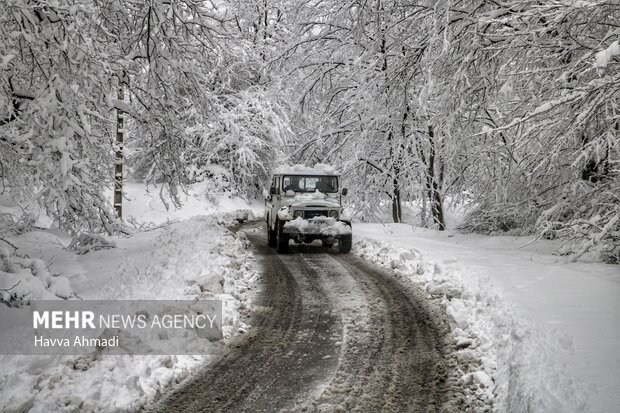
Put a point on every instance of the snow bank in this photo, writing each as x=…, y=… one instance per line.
x=509, y=365
x=196, y=259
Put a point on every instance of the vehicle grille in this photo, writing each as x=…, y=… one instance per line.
x=315, y=213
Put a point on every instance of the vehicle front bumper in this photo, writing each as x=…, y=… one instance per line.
x=325, y=228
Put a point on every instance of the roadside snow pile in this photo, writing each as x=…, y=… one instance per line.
x=23, y=279
x=195, y=259
x=506, y=364
x=318, y=225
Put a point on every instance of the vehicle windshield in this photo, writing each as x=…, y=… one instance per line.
x=301, y=183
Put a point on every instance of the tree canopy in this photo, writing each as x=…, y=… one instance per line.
x=510, y=105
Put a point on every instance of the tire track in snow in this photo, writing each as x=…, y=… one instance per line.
x=330, y=333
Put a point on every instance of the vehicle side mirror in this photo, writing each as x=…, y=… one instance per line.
x=273, y=190
x=345, y=191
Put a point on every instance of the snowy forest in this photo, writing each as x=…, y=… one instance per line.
x=512, y=107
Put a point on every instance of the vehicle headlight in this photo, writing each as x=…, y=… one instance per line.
x=333, y=213
x=298, y=214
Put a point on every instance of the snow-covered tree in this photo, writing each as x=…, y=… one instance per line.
x=202, y=109
x=547, y=140
x=180, y=72
x=364, y=79
x=55, y=130
x=513, y=104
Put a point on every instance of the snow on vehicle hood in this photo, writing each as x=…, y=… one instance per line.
x=312, y=199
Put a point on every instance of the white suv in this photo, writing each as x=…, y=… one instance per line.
x=303, y=205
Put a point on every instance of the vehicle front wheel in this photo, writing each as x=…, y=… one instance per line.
x=345, y=243
x=271, y=237
x=282, y=239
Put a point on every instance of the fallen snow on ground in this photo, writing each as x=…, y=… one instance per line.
x=541, y=333
x=197, y=258
x=144, y=204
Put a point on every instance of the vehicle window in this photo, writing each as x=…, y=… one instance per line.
x=327, y=184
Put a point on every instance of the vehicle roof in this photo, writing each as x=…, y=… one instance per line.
x=318, y=169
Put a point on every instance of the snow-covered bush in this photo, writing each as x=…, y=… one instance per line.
x=491, y=219
x=586, y=217
x=84, y=242
x=9, y=223
x=24, y=279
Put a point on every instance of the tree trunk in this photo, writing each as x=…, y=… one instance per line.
x=397, y=215
x=396, y=202
x=432, y=186
x=118, y=164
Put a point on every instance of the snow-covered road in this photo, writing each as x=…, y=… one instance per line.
x=331, y=333
x=569, y=313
